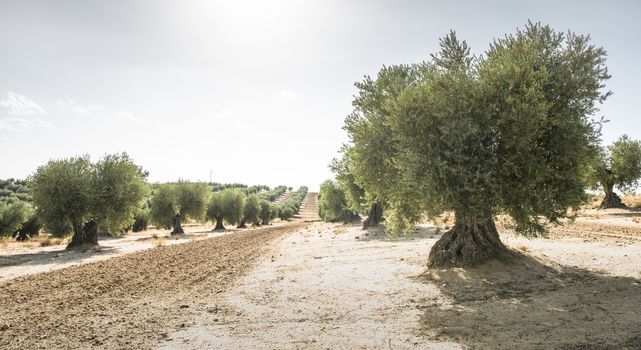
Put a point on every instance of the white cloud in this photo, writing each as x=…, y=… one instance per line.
x=287, y=95
x=77, y=107
x=124, y=115
x=19, y=105
x=22, y=124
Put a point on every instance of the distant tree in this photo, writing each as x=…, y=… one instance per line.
x=511, y=133
x=285, y=213
x=251, y=212
x=618, y=165
x=13, y=216
x=265, y=212
x=173, y=203
x=227, y=205
x=78, y=194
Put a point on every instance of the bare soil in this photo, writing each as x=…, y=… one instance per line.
x=128, y=301
x=318, y=285
x=335, y=286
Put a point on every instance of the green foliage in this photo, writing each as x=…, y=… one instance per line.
x=141, y=219
x=13, y=216
x=332, y=204
x=118, y=190
x=619, y=165
x=187, y=199
x=285, y=213
x=511, y=132
x=228, y=205
x=273, y=194
x=265, y=211
x=294, y=202
x=69, y=193
x=12, y=191
x=252, y=209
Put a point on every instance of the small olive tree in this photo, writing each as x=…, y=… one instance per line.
x=78, y=194
x=618, y=165
x=265, y=212
x=251, y=212
x=228, y=206
x=332, y=204
x=13, y=216
x=172, y=203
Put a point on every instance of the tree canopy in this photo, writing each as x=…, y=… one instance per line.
x=227, y=205
x=172, y=203
x=510, y=132
x=617, y=165
x=78, y=194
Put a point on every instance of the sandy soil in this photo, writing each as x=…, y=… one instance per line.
x=334, y=286
x=129, y=301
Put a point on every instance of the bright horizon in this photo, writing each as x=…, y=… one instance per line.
x=254, y=92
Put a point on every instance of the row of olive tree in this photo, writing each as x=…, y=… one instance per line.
x=76, y=195
x=173, y=203
x=513, y=131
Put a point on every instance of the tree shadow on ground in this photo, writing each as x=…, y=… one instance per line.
x=530, y=304
x=422, y=232
x=60, y=256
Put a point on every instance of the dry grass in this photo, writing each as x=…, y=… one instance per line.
x=159, y=241
x=340, y=229
x=46, y=241
x=5, y=240
x=633, y=202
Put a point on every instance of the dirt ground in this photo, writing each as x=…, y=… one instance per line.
x=319, y=285
x=333, y=286
x=129, y=301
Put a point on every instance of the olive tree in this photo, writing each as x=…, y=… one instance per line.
x=618, y=165
x=13, y=216
x=172, y=203
x=227, y=205
x=511, y=132
x=251, y=211
x=332, y=204
x=265, y=212
x=78, y=194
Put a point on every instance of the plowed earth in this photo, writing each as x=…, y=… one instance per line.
x=130, y=301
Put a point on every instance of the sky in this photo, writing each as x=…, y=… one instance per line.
x=254, y=92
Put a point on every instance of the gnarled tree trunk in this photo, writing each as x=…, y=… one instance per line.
x=84, y=234
x=219, y=223
x=468, y=243
x=611, y=200
x=242, y=223
x=178, y=228
x=374, y=217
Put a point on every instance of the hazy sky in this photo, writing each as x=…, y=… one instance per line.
x=254, y=91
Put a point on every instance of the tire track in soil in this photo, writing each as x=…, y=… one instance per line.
x=130, y=301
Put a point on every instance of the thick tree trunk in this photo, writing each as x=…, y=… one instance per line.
x=374, y=217
x=219, y=223
x=467, y=244
x=256, y=224
x=84, y=235
x=178, y=227
x=611, y=200
x=242, y=223
x=265, y=222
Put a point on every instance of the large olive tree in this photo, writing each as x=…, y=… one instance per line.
x=172, y=203
x=509, y=132
x=251, y=211
x=618, y=165
x=78, y=194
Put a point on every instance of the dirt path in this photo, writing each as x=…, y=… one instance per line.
x=332, y=286
x=309, y=210
x=130, y=301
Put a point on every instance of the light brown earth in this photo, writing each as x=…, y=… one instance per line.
x=318, y=285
